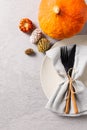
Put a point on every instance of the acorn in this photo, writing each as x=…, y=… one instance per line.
x=29, y=51
x=43, y=45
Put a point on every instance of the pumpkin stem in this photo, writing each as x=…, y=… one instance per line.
x=56, y=9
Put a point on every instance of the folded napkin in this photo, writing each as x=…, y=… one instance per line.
x=57, y=101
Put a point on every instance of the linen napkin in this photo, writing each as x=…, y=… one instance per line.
x=58, y=99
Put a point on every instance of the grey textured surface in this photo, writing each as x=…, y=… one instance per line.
x=22, y=100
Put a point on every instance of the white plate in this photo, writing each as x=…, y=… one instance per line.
x=48, y=75
x=86, y=1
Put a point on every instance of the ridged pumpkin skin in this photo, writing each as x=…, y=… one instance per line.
x=69, y=21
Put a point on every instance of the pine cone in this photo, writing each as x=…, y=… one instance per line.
x=43, y=45
x=35, y=36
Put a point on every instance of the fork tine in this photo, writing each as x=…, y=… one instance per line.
x=66, y=54
x=64, y=57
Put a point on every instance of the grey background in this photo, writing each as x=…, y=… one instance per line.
x=22, y=100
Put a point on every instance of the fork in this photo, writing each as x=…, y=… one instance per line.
x=65, y=60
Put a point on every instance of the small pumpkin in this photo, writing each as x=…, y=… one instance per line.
x=61, y=19
x=35, y=36
x=26, y=25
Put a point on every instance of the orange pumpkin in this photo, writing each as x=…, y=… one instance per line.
x=62, y=18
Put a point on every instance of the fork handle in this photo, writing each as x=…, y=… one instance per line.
x=74, y=101
x=67, y=107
